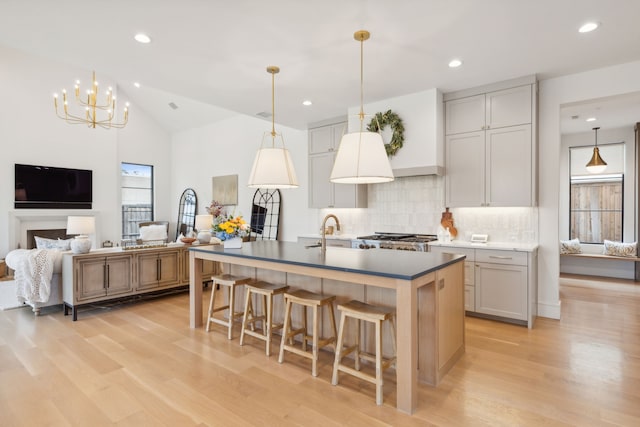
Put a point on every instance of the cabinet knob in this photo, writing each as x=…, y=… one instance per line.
x=441, y=284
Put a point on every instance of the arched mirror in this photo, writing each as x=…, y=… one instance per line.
x=265, y=215
x=187, y=212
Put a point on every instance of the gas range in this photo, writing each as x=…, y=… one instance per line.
x=397, y=241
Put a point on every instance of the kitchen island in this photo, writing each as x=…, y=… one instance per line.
x=426, y=289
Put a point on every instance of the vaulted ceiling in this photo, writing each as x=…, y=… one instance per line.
x=209, y=58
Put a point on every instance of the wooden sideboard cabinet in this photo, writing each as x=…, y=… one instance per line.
x=113, y=273
x=158, y=269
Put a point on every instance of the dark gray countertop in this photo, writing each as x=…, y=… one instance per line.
x=378, y=262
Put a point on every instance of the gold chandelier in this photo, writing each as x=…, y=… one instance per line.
x=92, y=108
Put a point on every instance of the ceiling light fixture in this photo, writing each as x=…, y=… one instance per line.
x=272, y=167
x=91, y=108
x=591, y=119
x=588, y=27
x=142, y=38
x=361, y=157
x=596, y=164
x=455, y=63
x=136, y=84
x=307, y=103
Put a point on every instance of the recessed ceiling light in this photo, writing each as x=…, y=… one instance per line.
x=455, y=63
x=136, y=84
x=142, y=38
x=591, y=119
x=306, y=102
x=588, y=27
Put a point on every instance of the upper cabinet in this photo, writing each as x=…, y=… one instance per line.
x=323, y=146
x=490, y=146
x=509, y=107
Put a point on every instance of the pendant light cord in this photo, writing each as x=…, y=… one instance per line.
x=273, y=103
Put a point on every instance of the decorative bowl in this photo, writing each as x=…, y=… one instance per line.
x=188, y=240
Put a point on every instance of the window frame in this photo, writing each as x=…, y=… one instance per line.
x=126, y=222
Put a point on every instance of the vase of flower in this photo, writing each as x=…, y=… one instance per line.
x=233, y=243
x=230, y=230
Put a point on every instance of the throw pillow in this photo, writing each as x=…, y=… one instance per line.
x=64, y=245
x=570, y=246
x=619, y=248
x=153, y=232
x=44, y=243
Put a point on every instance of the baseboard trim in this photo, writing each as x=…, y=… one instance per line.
x=549, y=310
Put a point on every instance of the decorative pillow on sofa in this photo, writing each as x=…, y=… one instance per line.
x=619, y=248
x=44, y=243
x=153, y=232
x=570, y=246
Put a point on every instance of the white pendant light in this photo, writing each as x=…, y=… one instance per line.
x=361, y=157
x=272, y=167
x=596, y=164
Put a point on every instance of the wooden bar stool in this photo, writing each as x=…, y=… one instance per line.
x=267, y=291
x=315, y=301
x=370, y=313
x=230, y=282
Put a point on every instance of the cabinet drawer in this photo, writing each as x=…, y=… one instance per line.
x=501, y=257
x=470, y=253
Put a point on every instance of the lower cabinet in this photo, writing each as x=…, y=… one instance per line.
x=157, y=270
x=209, y=268
x=106, y=274
x=501, y=290
x=500, y=284
x=103, y=276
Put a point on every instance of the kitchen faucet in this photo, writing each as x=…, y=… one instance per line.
x=323, y=243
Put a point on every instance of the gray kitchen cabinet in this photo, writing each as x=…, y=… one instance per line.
x=323, y=146
x=499, y=284
x=492, y=110
x=469, y=272
x=490, y=148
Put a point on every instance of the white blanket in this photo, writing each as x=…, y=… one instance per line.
x=33, y=271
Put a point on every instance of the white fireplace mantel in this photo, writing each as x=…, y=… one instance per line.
x=21, y=220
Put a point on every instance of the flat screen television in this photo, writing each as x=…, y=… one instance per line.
x=47, y=187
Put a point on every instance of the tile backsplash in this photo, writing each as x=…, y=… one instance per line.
x=415, y=205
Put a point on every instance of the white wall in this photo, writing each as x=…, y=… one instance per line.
x=554, y=93
x=31, y=133
x=228, y=147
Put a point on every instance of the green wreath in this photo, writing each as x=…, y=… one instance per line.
x=389, y=118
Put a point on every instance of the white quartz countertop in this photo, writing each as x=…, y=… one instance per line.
x=503, y=246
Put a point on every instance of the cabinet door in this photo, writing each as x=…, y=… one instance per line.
x=321, y=140
x=501, y=290
x=148, y=268
x=508, y=166
x=465, y=115
x=465, y=170
x=509, y=107
x=119, y=274
x=450, y=288
x=91, y=278
x=321, y=189
x=168, y=268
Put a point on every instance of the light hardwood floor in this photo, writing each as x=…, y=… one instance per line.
x=141, y=365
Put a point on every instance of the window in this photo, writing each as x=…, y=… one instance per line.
x=597, y=200
x=596, y=208
x=137, y=197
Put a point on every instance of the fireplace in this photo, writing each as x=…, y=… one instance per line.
x=23, y=225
